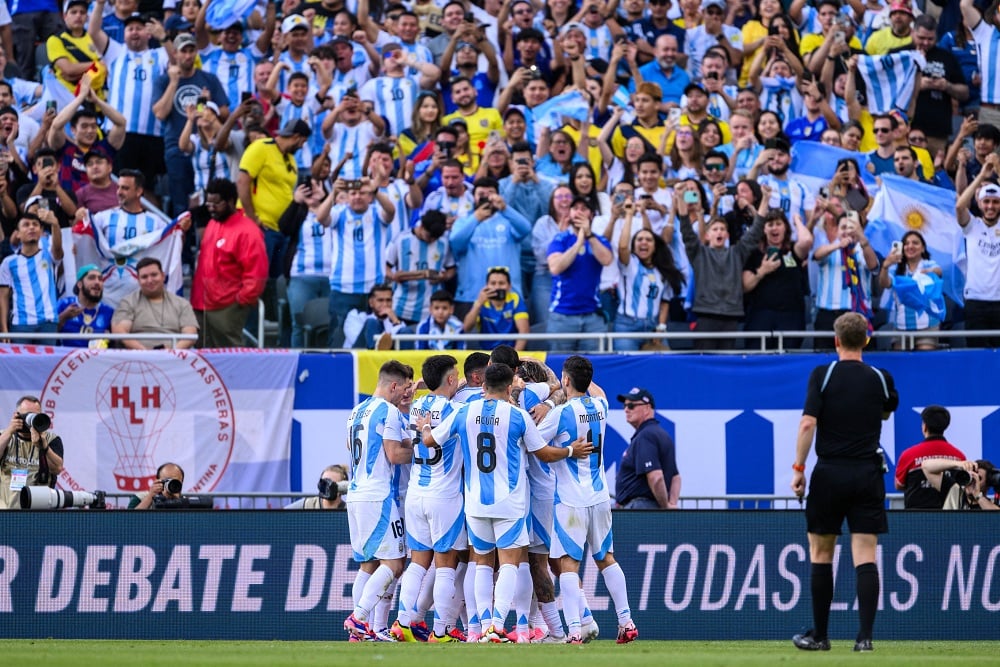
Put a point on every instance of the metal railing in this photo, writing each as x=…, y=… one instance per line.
x=266, y=501
x=56, y=337
x=757, y=340
x=605, y=340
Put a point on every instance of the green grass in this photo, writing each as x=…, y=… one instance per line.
x=55, y=653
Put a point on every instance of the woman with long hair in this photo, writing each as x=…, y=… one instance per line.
x=710, y=138
x=738, y=219
x=648, y=280
x=776, y=279
x=917, y=301
x=556, y=154
x=757, y=30
x=495, y=162
x=416, y=144
x=848, y=186
x=542, y=234
x=685, y=157
x=583, y=184
x=769, y=126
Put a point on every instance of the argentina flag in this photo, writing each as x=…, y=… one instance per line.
x=550, y=114
x=814, y=164
x=890, y=79
x=903, y=205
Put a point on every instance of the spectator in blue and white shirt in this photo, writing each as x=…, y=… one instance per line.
x=358, y=250
x=442, y=320
x=28, y=277
x=416, y=262
x=231, y=62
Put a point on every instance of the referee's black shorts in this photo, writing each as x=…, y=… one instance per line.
x=852, y=489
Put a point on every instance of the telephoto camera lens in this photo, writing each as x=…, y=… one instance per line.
x=172, y=486
x=38, y=421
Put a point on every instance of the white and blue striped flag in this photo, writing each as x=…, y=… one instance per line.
x=550, y=114
x=903, y=205
x=890, y=79
x=814, y=164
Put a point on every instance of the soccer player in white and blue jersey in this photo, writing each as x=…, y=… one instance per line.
x=435, y=520
x=495, y=438
x=28, y=279
x=415, y=261
x=358, y=253
x=378, y=440
x=583, y=505
x=474, y=371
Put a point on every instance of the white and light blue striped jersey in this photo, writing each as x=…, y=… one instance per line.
x=495, y=437
x=599, y=42
x=397, y=191
x=118, y=225
x=579, y=482
x=831, y=294
x=641, y=289
x=309, y=112
x=296, y=66
x=458, y=207
x=422, y=54
x=130, y=85
x=358, y=249
x=987, y=40
x=467, y=394
x=234, y=70
x=745, y=160
x=354, y=140
x=314, y=251
x=436, y=473
x=541, y=482
x=32, y=282
x=891, y=79
x=372, y=422
x=790, y=195
x=412, y=299
x=208, y=163
x=392, y=97
x=787, y=103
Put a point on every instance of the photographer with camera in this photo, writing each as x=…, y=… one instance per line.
x=963, y=484
x=330, y=489
x=167, y=486
x=30, y=454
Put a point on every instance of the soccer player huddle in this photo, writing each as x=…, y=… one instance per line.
x=493, y=487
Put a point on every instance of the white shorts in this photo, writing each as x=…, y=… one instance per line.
x=376, y=530
x=579, y=527
x=540, y=529
x=435, y=524
x=488, y=533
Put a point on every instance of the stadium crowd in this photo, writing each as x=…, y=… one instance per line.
x=444, y=167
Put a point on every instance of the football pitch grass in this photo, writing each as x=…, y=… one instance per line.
x=601, y=653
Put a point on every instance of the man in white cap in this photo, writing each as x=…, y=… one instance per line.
x=296, y=36
x=982, y=234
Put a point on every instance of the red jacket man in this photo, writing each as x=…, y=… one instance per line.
x=232, y=269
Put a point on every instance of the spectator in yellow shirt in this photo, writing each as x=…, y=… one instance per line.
x=897, y=33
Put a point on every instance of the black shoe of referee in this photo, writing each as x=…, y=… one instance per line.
x=808, y=642
x=863, y=646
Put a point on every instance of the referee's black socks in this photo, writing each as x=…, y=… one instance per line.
x=868, y=587
x=821, y=585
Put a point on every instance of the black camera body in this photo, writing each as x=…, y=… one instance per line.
x=182, y=503
x=993, y=480
x=960, y=476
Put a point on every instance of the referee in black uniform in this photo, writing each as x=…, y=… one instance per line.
x=846, y=402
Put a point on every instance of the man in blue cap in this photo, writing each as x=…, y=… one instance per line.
x=648, y=476
x=83, y=312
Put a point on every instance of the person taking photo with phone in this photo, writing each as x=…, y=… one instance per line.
x=498, y=310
